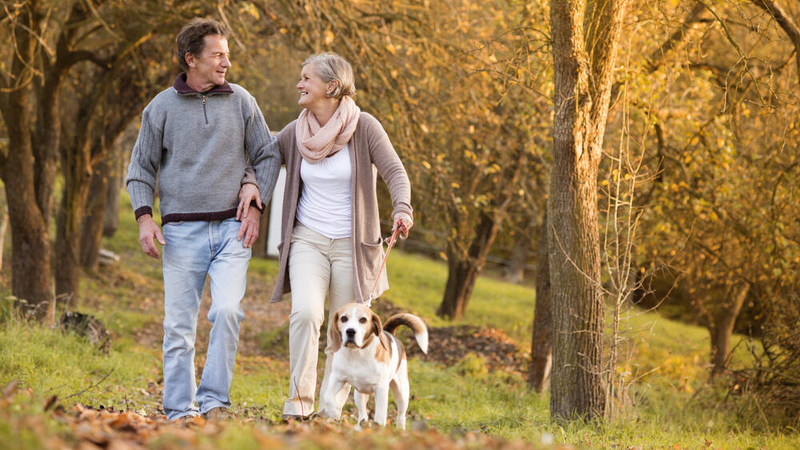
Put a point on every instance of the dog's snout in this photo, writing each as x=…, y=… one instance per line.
x=350, y=332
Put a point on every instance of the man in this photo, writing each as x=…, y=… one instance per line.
x=195, y=140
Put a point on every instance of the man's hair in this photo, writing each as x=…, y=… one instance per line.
x=190, y=39
x=329, y=66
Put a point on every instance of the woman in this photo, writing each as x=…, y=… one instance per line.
x=330, y=230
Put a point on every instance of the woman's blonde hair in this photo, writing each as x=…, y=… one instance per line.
x=329, y=66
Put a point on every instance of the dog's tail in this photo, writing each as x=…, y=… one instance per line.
x=411, y=321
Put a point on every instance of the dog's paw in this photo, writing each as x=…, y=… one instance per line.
x=363, y=423
x=329, y=414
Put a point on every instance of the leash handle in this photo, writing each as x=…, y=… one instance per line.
x=385, y=257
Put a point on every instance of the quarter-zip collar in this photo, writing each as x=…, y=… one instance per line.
x=183, y=89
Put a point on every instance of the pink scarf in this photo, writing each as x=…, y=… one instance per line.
x=317, y=143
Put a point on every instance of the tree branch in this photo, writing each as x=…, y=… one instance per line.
x=694, y=17
x=786, y=23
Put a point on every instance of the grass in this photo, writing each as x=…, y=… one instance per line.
x=668, y=402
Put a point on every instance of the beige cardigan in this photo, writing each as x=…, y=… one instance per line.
x=371, y=153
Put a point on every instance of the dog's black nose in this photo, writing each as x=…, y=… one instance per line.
x=350, y=332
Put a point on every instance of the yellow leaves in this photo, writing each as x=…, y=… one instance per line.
x=329, y=37
x=391, y=49
x=424, y=128
x=494, y=168
x=426, y=165
x=249, y=8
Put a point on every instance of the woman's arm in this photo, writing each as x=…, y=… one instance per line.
x=394, y=174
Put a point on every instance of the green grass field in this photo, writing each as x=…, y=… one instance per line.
x=667, y=402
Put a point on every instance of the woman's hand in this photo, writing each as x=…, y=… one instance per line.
x=404, y=222
x=247, y=193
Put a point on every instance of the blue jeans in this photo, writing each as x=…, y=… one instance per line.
x=193, y=250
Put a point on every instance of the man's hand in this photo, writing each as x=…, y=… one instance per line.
x=249, y=229
x=149, y=232
x=404, y=222
x=248, y=193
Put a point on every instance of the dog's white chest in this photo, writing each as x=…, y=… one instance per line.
x=364, y=374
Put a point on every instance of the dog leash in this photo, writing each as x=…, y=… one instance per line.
x=385, y=257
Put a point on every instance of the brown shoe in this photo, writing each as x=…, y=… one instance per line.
x=217, y=414
x=185, y=420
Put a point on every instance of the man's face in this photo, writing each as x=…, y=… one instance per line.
x=209, y=68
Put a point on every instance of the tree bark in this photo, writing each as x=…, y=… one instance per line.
x=515, y=273
x=721, y=329
x=584, y=60
x=30, y=234
x=463, y=270
x=77, y=177
x=542, y=339
x=93, y=221
x=115, y=175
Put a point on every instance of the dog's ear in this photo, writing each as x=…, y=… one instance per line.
x=334, y=335
x=377, y=325
x=377, y=328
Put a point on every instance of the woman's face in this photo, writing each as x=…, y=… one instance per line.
x=311, y=87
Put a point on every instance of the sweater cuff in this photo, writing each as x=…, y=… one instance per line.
x=142, y=211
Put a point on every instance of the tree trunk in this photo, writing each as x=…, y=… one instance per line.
x=30, y=233
x=721, y=329
x=463, y=270
x=77, y=177
x=93, y=221
x=115, y=174
x=515, y=273
x=584, y=60
x=542, y=339
x=3, y=229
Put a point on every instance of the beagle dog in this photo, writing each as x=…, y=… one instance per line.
x=368, y=356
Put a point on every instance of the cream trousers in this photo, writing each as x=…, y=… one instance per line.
x=317, y=266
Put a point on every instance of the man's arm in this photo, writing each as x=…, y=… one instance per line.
x=141, y=181
x=263, y=151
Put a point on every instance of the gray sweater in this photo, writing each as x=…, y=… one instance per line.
x=194, y=146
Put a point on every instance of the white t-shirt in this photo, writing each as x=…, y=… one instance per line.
x=325, y=203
